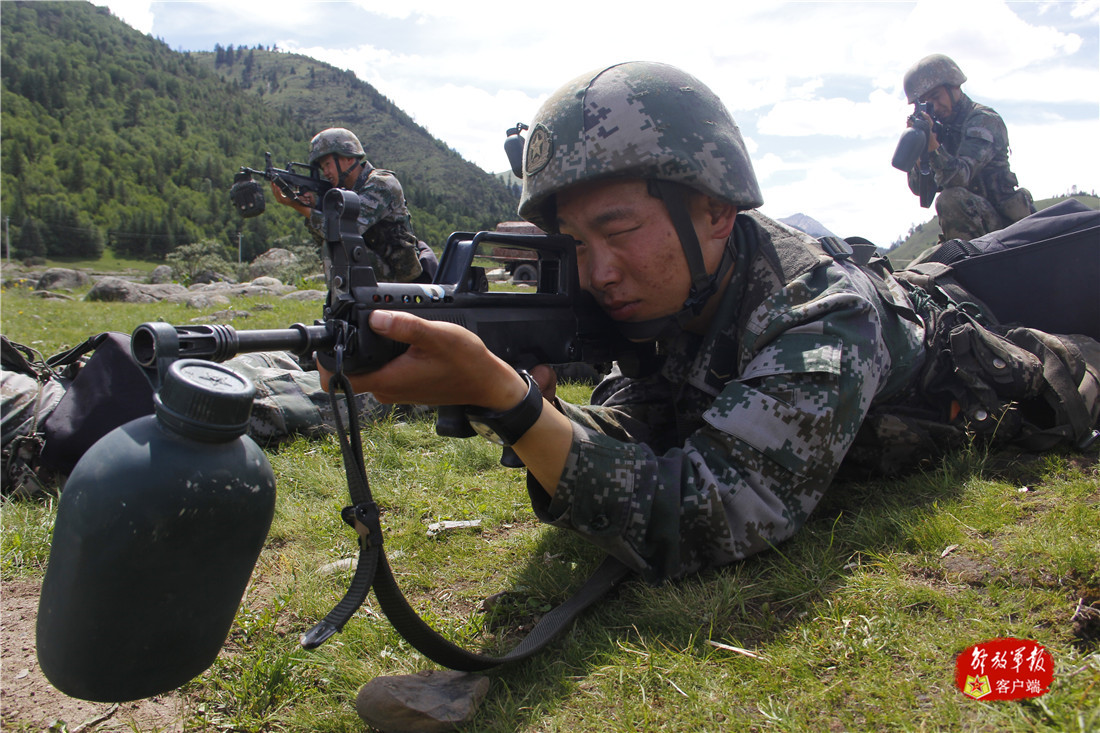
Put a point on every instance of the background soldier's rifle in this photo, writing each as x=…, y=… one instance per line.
x=912, y=150
x=558, y=323
x=248, y=196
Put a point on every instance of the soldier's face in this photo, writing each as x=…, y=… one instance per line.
x=943, y=102
x=629, y=255
x=331, y=167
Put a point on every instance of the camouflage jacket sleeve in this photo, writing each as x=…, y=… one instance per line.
x=811, y=360
x=983, y=136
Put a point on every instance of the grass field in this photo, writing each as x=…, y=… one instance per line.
x=854, y=625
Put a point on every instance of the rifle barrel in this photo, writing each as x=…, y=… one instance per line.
x=217, y=342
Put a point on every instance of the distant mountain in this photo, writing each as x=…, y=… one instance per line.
x=807, y=224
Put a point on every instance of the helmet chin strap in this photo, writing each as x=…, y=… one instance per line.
x=703, y=285
x=340, y=172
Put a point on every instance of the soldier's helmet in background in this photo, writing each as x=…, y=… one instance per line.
x=335, y=140
x=929, y=73
x=640, y=120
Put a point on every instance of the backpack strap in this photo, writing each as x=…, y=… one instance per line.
x=952, y=251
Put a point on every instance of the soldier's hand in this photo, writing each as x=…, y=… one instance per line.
x=445, y=364
x=301, y=208
x=547, y=380
x=933, y=142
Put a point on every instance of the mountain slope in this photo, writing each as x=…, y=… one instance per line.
x=110, y=138
x=436, y=178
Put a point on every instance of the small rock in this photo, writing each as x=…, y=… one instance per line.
x=438, y=528
x=426, y=702
x=271, y=262
x=50, y=295
x=348, y=563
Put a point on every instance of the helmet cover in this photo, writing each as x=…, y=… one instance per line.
x=638, y=119
x=336, y=140
x=929, y=73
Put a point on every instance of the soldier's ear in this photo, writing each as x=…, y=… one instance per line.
x=722, y=215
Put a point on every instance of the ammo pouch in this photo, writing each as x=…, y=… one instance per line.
x=1015, y=385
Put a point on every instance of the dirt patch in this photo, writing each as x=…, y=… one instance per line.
x=28, y=702
x=1086, y=623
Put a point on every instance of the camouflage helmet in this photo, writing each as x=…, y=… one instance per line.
x=637, y=119
x=929, y=73
x=335, y=140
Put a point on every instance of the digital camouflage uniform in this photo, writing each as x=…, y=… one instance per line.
x=386, y=227
x=724, y=447
x=977, y=189
x=727, y=448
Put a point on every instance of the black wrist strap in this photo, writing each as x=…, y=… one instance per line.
x=373, y=571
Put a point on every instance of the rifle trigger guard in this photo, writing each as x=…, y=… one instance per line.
x=364, y=519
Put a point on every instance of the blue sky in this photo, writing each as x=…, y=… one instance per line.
x=814, y=86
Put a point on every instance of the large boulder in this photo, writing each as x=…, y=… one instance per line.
x=61, y=278
x=161, y=274
x=272, y=263
x=306, y=296
x=118, y=290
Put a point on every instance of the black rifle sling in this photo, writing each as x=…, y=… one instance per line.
x=374, y=571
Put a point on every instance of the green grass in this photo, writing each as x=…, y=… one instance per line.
x=52, y=325
x=854, y=624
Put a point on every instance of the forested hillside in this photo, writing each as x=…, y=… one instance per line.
x=110, y=138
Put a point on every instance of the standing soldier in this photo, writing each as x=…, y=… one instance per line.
x=967, y=155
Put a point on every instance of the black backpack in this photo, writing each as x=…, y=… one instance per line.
x=1042, y=272
x=103, y=388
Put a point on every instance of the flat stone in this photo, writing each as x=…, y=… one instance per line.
x=431, y=701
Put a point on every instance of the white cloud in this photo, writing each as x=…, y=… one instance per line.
x=135, y=13
x=881, y=114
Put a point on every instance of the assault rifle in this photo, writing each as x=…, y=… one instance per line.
x=248, y=197
x=558, y=323
x=912, y=149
